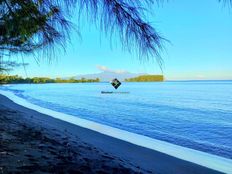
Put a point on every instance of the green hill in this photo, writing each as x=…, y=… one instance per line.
x=146, y=78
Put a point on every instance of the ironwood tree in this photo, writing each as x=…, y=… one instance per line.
x=40, y=26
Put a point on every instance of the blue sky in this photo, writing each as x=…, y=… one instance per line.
x=200, y=33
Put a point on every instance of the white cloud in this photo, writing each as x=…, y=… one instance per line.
x=102, y=68
x=106, y=69
x=200, y=76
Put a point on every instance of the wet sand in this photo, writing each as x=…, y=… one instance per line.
x=31, y=142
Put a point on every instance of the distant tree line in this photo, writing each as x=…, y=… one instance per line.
x=146, y=78
x=15, y=79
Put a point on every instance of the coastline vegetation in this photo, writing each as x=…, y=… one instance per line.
x=146, y=78
x=15, y=79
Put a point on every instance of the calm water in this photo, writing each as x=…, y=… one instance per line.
x=191, y=114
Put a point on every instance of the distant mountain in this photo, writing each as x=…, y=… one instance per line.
x=108, y=76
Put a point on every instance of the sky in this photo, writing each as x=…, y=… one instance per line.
x=200, y=47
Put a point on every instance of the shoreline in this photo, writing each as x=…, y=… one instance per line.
x=148, y=159
x=29, y=143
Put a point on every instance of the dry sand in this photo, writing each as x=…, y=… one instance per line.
x=31, y=142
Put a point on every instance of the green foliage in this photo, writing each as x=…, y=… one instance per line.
x=146, y=78
x=28, y=25
x=5, y=79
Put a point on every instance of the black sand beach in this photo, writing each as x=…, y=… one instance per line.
x=31, y=142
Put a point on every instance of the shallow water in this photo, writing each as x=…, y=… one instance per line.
x=196, y=114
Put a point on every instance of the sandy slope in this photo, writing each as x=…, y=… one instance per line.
x=33, y=142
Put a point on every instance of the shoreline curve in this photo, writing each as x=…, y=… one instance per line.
x=214, y=162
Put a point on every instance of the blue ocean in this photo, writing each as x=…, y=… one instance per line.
x=194, y=114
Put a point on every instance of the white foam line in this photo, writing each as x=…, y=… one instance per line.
x=201, y=158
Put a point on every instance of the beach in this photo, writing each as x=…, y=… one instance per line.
x=31, y=142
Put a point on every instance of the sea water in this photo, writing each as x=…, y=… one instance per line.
x=193, y=114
